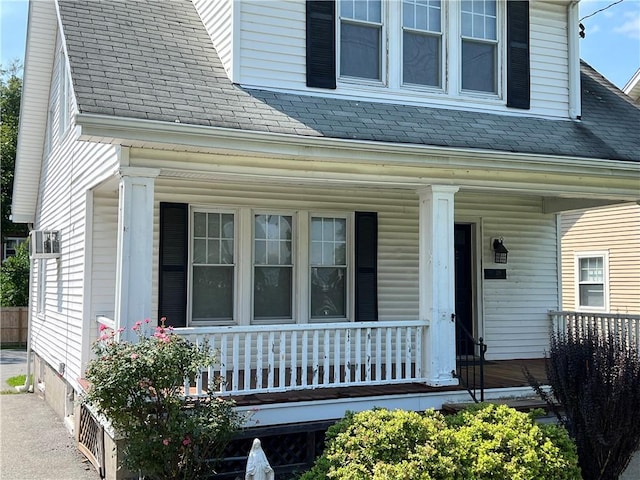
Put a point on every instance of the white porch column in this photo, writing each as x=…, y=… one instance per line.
x=134, y=260
x=437, y=283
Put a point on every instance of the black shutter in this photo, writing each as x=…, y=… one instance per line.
x=321, y=43
x=366, y=243
x=174, y=241
x=518, y=82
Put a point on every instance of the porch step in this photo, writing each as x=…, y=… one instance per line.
x=520, y=404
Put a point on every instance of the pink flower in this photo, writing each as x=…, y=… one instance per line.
x=102, y=327
x=121, y=329
x=146, y=320
x=136, y=326
x=134, y=356
x=166, y=441
x=104, y=337
x=186, y=441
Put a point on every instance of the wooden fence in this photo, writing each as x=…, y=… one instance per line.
x=13, y=326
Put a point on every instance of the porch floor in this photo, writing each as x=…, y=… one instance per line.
x=498, y=374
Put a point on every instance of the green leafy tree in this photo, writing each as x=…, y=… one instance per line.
x=14, y=279
x=10, y=95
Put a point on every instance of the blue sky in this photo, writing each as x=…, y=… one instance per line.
x=611, y=45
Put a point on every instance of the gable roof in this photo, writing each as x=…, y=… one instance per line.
x=154, y=60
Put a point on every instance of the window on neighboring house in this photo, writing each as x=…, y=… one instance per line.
x=213, y=267
x=422, y=42
x=361, y=39
x=592, y=281
x=328, y=262
x=272, y=267
x=479, y=45
x=11, y=246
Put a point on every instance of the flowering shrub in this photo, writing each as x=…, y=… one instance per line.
x=139, y=386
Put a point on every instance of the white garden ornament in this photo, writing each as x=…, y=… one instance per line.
x=258, y=467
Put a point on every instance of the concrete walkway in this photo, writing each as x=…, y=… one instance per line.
x=34, y=444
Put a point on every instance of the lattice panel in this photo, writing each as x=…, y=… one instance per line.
x=91, y=439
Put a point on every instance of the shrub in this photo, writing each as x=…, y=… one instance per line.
x=595, y=381
x=491, y=442
x=14, y=278
x=138, y=386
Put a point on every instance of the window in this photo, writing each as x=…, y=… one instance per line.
x=11, y=246
x=273, y=267
x=479, y=45
x=361, y=39
x=592, y=279
x=213, y=267
x=422, y=42
x=328, y=262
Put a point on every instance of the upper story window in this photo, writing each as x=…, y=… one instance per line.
x=479, y=45
x=361, y=39
x=422, y=42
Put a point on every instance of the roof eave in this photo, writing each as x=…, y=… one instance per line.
x=38, y=65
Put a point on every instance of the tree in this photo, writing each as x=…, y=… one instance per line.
x=10, y=96
x=14, y=279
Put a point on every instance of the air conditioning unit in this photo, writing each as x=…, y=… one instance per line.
x=44, y=243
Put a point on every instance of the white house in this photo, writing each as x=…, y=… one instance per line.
x=317, y=186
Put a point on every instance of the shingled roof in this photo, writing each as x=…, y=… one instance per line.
x=154, y=60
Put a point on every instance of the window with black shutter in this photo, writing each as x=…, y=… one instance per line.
x=518, y=75
x=366, y=266
x=172, y=295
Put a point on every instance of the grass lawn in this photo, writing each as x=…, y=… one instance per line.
x=14, y=382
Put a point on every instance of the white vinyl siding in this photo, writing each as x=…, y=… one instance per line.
x=514, y=315
x=272, y=55
x=615, y=230
x=217, y=17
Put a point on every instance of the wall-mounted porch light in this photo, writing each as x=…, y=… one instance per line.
x=500, y=251
x=44, y=243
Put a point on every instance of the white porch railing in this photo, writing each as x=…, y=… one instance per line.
x=620, y=325
x=273, y=358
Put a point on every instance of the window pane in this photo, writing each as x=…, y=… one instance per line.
x=421, y=59
x=227, y=251
x=227, y=226
x=200, y=224
x=591, y=270
x=328, y=294
x=316, y=228
x=213, y=252
x=478, y=66
x=592, y=295
x=214, y=225
x=316, y=253
x=285, y=228
x=360, y=51
x=260, y=226
x=340, y=229
x=467, y=25
x=260, y=252
x=272, y=293
x=199, y=251
x=408, y=14
x=341, y=254
x=212, y=293
x=273, y=253
x=375, y=11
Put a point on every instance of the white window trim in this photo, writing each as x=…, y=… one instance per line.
x=605, y=272
x=236, y=283
x=350, y=252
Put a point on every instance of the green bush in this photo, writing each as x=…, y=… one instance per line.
x=138, y=386
x=14, y=279
x=489, y=442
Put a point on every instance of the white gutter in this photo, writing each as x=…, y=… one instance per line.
x=575, y=91
x=27, y=387
x=145, y=133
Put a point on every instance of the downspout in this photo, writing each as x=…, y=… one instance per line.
x=27, y=387
x=575, y=97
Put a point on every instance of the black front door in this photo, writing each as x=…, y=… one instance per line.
x=463, y=289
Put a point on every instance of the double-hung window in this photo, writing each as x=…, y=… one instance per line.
x=591, y=275
x=422, y=42
x=272, y=267
x=213, y=263
x=328, y=262
x=361, y=39
x=479, y=45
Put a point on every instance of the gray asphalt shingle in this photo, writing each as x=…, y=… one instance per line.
x=154, y=60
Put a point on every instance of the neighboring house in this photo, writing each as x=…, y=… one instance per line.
x=601, y=260
x=632, y=88
x=316, y=186
x=10, y=246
